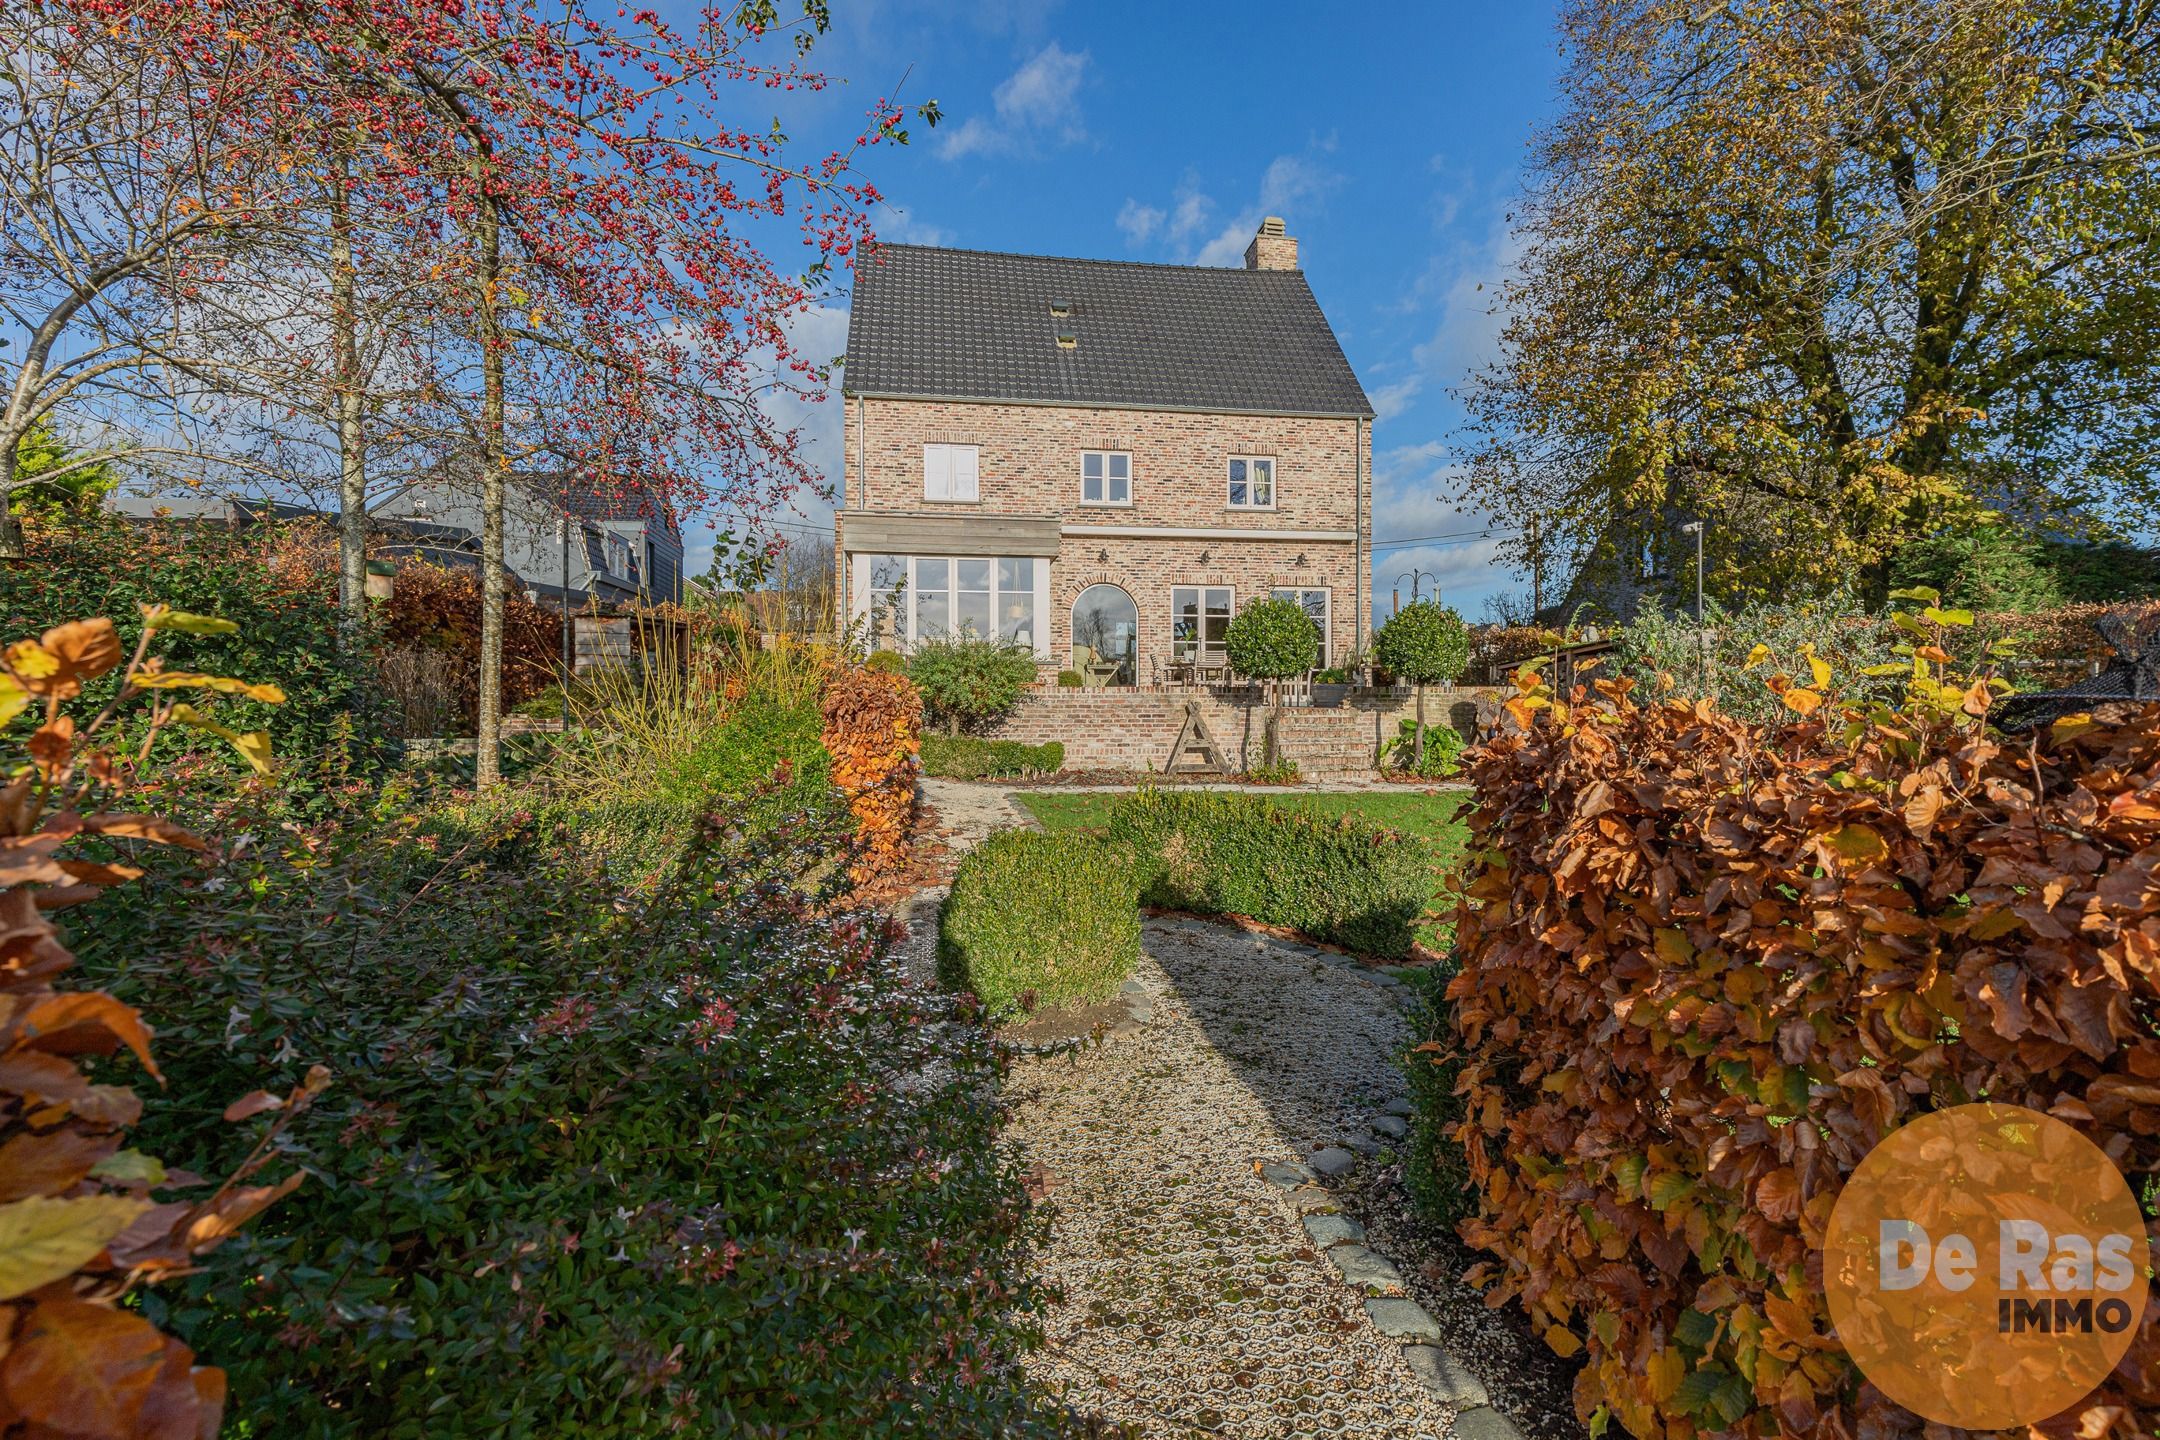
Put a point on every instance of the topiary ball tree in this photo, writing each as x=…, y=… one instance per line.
x=1425, y=644
x=1272, y=640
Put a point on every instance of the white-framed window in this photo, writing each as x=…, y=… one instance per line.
x=1105, y=477
x=1252, y=482
x=1314, y=600
x=951, y=473
x=1199, y=620
x=907, y=599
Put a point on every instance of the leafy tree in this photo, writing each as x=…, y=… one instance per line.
x=2000, y=567
x=1425, y=644
x=967, y=681
x=78, y=488
x=1824, y=276
x=1272, y=640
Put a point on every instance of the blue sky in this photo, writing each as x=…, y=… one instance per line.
x=1140, y=131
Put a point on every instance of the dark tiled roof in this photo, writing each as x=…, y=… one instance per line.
x=975, y=325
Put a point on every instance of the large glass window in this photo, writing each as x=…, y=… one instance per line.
x=1252, y=482
x=910, y=599
x=1314, y=599
x=887, y=604
x=1106, y=632
x=1105, y=477
x=1199, y=618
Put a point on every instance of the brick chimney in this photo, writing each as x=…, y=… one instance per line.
x=1271, y=249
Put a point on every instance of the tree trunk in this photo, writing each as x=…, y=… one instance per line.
x=494, y=463
x=352, y=473
x=1417, y=746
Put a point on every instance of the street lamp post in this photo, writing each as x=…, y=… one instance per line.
x=1702, y=637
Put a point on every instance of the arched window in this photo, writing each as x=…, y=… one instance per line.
x=1105, y=631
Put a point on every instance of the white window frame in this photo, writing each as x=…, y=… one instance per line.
x=1200, y=640
x=1106, y=502
x=909, y=589
x=1248, y=461
x=1327, y=611
x=946, y=481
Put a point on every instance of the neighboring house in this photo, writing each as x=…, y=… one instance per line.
x=1099, y=459
x=613, y=548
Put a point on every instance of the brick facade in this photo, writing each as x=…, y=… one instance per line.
x=1133, y=730
x=1030, y=466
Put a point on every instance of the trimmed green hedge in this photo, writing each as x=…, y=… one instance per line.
x=963, y=757
x=1040, y=920
x=1342, y=881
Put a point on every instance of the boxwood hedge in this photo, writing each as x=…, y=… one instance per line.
x=964, y=757
x=1341, y=880
x=686, y=1160
x=1040, y=920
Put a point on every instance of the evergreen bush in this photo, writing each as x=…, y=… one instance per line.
x=1040, y=920
x=964, y=757
x=966, y=682
x=1340, y=880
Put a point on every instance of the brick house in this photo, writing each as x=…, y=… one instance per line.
x=1099, y=459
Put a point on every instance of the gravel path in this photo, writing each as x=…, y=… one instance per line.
x=1210, y=1285
x=1195, y=1302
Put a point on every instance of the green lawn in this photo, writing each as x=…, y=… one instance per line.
x=1430, y=818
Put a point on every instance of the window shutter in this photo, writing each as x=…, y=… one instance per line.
x=963, y=484
x=937, y=472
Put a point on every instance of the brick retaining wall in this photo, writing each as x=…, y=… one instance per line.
x=1133, y=729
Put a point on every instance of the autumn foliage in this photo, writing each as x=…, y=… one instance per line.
x=81, y=1224
x=1707, y=966
x=873, y=731
x=439, y=609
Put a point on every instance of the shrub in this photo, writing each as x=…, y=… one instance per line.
x=693, y=1161
x=1342, y=881
x=1272, y=640
x=886, y=662
x=1040, y=920
x=968, y=682
x=1435, y=759
x=963, y=757
x=1423, y=644
x=436, y=609
x=872, y=729
x=1436, y=1173
x=83, y=1233
x=1069, y=680
x=270, y=580
x=1708, y=965
x=1281, y=772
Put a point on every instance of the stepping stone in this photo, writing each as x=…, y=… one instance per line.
x=1134, y=987
x=1287, y=1176
x=1394, y=1127
x=1329, y=1230
x=1332, y=1161
x=1312, y=1200
x=1400, y=1105
x=1448, y=1381
x=1402, y=1320
x=1485, y=1423
x=1364, y=1145
x=1362, y=1268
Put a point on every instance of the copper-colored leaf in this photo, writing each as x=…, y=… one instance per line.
x=85, y=649
x=83, y=1369
x=253, y=1103
x=50, y=1163
x=86, y=1021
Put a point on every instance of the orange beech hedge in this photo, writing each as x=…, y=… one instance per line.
x=1706, y=967
x=873, y=731
x=439, y=608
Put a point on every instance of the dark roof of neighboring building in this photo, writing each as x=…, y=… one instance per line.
x=977, y=325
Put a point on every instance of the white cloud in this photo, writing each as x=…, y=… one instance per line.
x=1040, y=101
x=1139, y=222
x=1468, y=335
x=905, y=227
x=1391, y=400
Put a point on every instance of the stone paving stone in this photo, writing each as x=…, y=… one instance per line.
x=1400, y=1105
x=1394, y=1127
x=1195, y=1302
x=1448, y=1381
x=1332, y=1161
x=1402, y=1319
x=1367, y=1271
x=1329, y=1230
x=1484, y=1423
